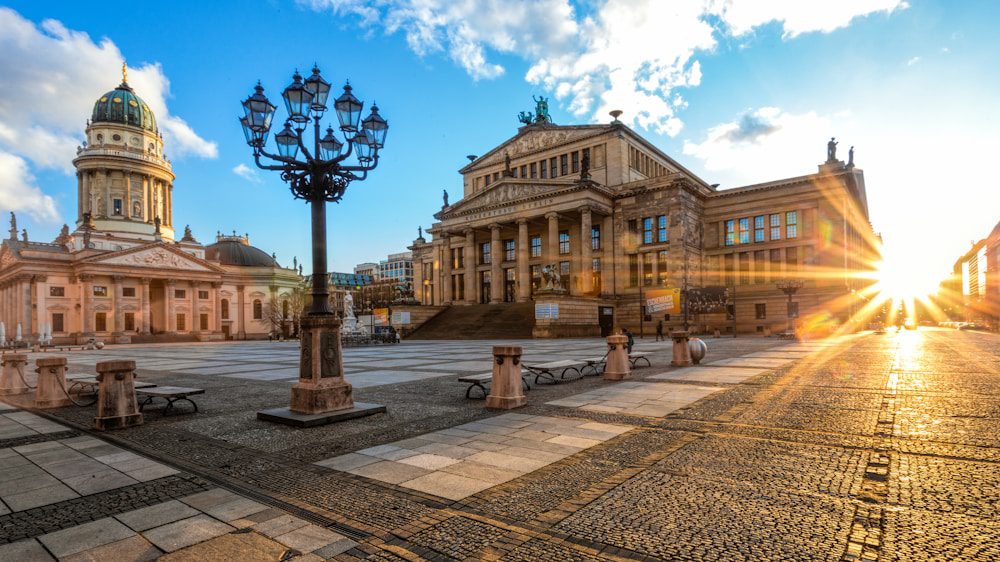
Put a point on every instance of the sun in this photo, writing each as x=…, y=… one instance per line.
x=899, y=280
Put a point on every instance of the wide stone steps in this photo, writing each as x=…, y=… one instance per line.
x=480, y=322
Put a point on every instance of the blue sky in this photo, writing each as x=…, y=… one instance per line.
x=911, y=85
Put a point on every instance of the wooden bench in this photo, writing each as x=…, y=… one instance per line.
x=548, y=370
x=483, y=380
x=171, y=394
x=634, y=358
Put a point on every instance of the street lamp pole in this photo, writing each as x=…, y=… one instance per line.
x=319, y=175
x=789, y=287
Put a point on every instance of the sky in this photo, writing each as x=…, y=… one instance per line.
x=738, y=91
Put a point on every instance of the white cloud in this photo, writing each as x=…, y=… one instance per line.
x=52, y=75
x=609, y=54
x=913, y=61
x=247, y=173
x=18, y=191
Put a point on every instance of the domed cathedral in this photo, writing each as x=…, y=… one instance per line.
x=120, y=276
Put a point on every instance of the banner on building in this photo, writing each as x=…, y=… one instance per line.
x=401, y=318
x=666, y=301
x=707, y=300
x=381, y=316
x=546, y=311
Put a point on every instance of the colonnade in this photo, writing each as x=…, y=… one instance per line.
x=154, y=193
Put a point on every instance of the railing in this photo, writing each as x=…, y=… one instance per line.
x=126, y=154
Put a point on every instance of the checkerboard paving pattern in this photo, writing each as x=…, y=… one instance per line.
x=715, y=375
x=649, y=399
x=461, y=461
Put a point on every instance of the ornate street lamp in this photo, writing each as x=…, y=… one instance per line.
x=317, y=172
x=789, y=287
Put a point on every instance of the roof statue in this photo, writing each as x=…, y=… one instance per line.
x=124, y=73
x=420, y=232
x=445, y=198
x=585, y=166
x=541, y=114
x=13, y=226
x=188, y=237
x=831, y=150
x=157, y=223
x=850, y=158
x=63, y=237
x=507, y=172
x=24, y=235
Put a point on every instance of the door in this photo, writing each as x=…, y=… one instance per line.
x=509, y=287
x=484, y=287
x=225, y=332
x=606, y=319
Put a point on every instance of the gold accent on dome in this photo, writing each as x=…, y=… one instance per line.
x=117, y=100
x=132, y=103
x=105, y=98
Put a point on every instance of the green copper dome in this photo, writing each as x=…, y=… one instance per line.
x=121, y=105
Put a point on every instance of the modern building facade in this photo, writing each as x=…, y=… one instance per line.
x=121, y=275
x=371, y=269
x=614, y=217
x=979, y=271
x=397, y=268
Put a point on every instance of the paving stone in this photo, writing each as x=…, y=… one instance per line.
x=348, y=461
x=210, y=498
x=242, y=547
x=42, y=496
x=428, y=461
x=132, y=549
x=309, y=538
x=156, y=515
x=279, y=525
x=389, y=471
x=236, y=509
x=85, y=537
x=28, y=550
x=98, y=482
x=186, y=532
x=500, y=460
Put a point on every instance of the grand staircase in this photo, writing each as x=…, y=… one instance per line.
x=479, y=322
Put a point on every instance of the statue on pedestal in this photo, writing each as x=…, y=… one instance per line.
x=13, y=226
x=350, y=320
x=551, y=280
x=585, y=166
x=831, y=150
x=445, y=198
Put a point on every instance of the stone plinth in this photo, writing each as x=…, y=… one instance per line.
x=617, y=366
x=51, y=390
x=506, y=390
x=116, y=403
x=321, y=395
x=682, y=353
x=11, y=378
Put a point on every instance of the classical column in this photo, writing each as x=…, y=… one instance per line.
x=586, y=252
x=87, y=304
x=106, y=194
x=118, y=319
x=216, y=316
x=127, y=211
x=241, y=312
x=496, y=272
x=168, y=296
x=470, y=266
x=147, y=196
x=79, y=195
x=144, y=304
x=446, y=281
x=608, y=265
x=523, y=277
x=41, y=291
x=27, y=328
x=552, y=244
x=195, y=314
x=168, y=202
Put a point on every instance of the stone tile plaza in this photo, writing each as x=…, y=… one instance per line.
x=660, y=312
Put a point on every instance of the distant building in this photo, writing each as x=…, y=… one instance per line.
x=397, y=268
x=370, y=269
x=979, y=271
x=343, y=283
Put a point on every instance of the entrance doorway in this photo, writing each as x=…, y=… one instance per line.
x=484, y=287
x=509, y=286
x=606, y=319
x=225, y=332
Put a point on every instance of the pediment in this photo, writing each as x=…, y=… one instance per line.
x=533, y=139
x=156, y=256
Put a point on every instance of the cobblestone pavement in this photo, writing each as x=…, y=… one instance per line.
x=875, y=447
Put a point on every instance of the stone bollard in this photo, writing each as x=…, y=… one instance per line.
x=682, y=353
x=10, y=380
x=506, y=391
x=116, y=403
x=617, y=366
x=51, y=392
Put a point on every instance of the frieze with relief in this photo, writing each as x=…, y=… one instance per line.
x=156, y=258
x=533, y=141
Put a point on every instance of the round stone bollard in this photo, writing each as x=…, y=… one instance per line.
x=51, y=389
x=682, y=353
x=698, y=349
x=506, y=390
x=116, y=403
x=617, y=366
x=11, y=381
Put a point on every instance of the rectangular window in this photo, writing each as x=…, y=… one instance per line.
x=534, y=170
x=100, y=291
x=203, y=322
x=57, y=322
x=791, y=224
x=633, y=270
x=761, y=311
x=633, y=232
x=509, y=251
x=563, y=241
x=563, y=165
x=759, y=259
x=496, y=176
x=129, y=321
x=552, y=167
x=484, y=253
x=647, y=269
x=595, y=237
x=564, y=273
x=586, y=156
x=116, y=205
x=575, y=161
x=661, y=267
x=775, y=227
x=791, y=259
x=661, y=228
x=180, y=293
x=57, y=291
x=180, y=322
x=128, y=291
x=758, y=228
x=101, y=321
x=536, y=246
x=647, y=230
x=543, y=169
x=775, y=264
x=744, y=268
x=596, y=265
x=459, y=258
x=744, y=231
x=203, y=295
x=524, y=172
x=729, y=278
x=487, y=179
x=730, y=232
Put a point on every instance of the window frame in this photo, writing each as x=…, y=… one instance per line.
x=509, y=250
x=791, y=224
x=744, y=230
x=647, y=230
x=729, y=227
x=564, y=240
x=758, y=229
x=535, y=243
x=661, y=229
x=595, y=237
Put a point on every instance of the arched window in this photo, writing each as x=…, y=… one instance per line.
x=284, y=309
x=225, y=309
x=258, y=310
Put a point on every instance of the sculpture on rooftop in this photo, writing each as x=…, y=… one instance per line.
x=445, y=197
x=13, y=226
x=831, y=150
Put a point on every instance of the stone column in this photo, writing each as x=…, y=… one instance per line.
x=41, y=314
x=87, y=304
x=127, y=211
x=116, y=403
x=506, y=390
x=241, y=313
x=496, y=271
x=106, y=194
x=195, y=314
x=608, y=257
x=170, y=325
x=168, y=203
x=79, y=195
x=29, y=327
x=146, y=199
x=446, y=262
x=470, y=266
x=523, y=276
x=216, y=316
x=117, y=317
x=586, y=252
x=144, y=304
x=552, y=244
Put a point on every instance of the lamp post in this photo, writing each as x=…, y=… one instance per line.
x=789, y=287
x=318, y=174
